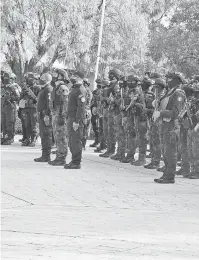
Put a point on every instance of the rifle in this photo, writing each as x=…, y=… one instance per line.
x=183, y=112
x=30, y=92
x=133, y=99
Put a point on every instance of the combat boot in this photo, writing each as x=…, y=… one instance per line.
x=33, y=141
x=7, y=142
x=127, y=159
x=72, y=166
x=26, y=142
x=22, y=139
x=99, y=150
x=192, y=175
x=115, y=157
x=110, y=153
x=165, y=180
x=44, y=158
x=152, y=166
x=107, y=155
x=57, y=162
x=104, y=154
x=3, y=139
x=141, y=160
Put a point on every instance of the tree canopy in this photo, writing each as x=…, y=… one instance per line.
x=138, y=34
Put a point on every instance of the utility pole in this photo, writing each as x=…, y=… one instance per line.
x=99, y=42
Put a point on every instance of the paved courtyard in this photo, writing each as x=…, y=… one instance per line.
x=105, y=211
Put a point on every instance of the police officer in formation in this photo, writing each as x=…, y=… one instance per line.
x=156, y=110
x=27, y=109
x=58, y=106
x=126, y=112
x=10, y=94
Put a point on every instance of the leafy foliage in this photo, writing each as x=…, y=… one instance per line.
x=138, y=34
x=179, y=42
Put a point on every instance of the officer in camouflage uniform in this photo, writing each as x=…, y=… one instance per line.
x=76, y=119
x=160, y=89
x=105, y=101
x=193, y=137
x=10, y=93
x=45, y=117
x=95, y=117
x=119, y=128
x=139, y=107
x=185, y=127
x=97, y=108
x=114, y=76
x=87, y=123
x=58, y=105
x=130, y=94
x=27, y=106
x=171, y=105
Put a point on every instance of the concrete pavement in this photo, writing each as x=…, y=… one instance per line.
x=106, y=210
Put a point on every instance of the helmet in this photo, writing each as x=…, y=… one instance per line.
x=146, y=83
x=98, y=81
x=133, y=78
x=46, y=77
x=177, y=76
x=155, y=75
x=160, y=82
x=116, y=73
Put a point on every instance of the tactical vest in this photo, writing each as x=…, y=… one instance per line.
x=106, y=94
x=56, y=99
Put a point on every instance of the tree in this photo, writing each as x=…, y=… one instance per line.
x=178, y=42
x=36, y=30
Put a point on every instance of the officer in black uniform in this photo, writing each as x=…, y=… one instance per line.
x=76, y=118
x=45, y=118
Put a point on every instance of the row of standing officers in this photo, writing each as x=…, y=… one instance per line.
x=130, y=112
x=125, y=110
